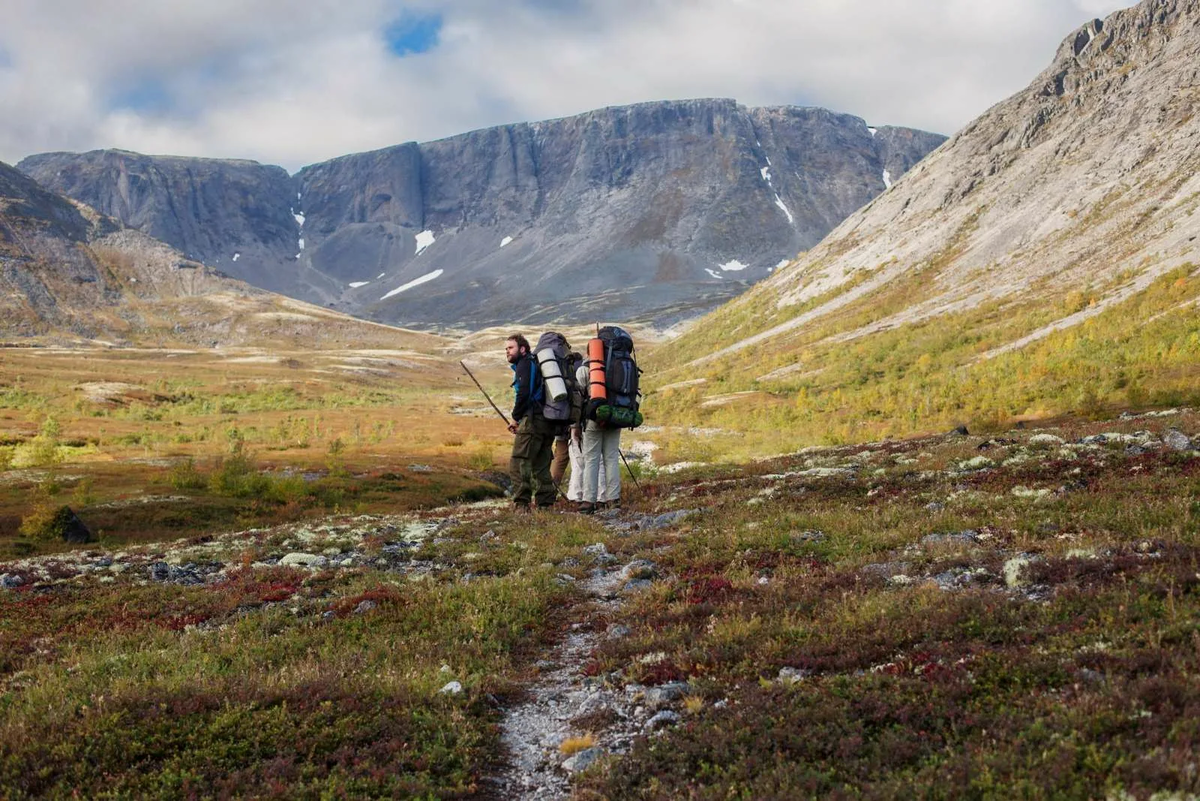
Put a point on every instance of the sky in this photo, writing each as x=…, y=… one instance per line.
x=293, y=83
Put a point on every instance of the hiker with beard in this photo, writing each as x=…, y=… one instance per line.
x=533, y=446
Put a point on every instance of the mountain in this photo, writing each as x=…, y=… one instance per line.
x=655, y=211
x=69, y=273
x=1042, y=260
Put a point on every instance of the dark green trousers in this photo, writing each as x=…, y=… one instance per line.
x=533, y=450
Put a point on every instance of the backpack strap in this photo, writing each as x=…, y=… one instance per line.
x=536, y=386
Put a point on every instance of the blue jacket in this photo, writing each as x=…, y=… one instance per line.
x=527, y=385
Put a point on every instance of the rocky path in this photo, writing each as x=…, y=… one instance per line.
x=567, y=705
x=535, y=730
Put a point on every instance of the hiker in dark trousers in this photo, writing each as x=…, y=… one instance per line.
x=534, y=443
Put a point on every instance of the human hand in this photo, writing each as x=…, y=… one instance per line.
x=512, y=427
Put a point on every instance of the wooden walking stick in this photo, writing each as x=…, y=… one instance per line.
x=484, y=391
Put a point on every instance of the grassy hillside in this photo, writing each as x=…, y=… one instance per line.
x=823, y=385
x=1041, y=262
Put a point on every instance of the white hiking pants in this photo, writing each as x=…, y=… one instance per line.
x=601, y=457
x=575, y=488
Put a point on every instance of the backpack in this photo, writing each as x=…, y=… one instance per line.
x=621, y=373
x=574, y=360
x=551, y=358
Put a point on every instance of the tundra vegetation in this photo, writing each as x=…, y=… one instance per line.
x=304, y=583
x=831, y=382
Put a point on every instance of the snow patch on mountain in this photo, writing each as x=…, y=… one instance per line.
x=415, y=282
x=424, y=240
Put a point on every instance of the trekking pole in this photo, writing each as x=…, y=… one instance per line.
x=630, y=469
x=484, y=391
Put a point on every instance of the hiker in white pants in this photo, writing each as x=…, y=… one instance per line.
x=575, y=449
x=598, y=470
x=575, y=489
x=601, y=466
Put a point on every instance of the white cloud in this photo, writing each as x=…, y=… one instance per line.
x=295, y=83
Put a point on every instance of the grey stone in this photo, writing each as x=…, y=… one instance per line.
x=594, y=703
x=1016, y=573
x=582, y=760
x=1176, y=440
x=365, y=606
x=887, y=569
x=189, y=574
x=968, y=536
x=451, y=688
x=303, y=560
x=11, y=581
x=661, y=720
x=639, y=569
x=665, y=694
x=791, y=675
x=960, y=578
x=671, y=518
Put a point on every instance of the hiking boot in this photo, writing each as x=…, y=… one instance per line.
x=587, y=508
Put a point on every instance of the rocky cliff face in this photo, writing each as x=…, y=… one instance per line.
x=69, y=273
x=656, y=211
x=1086, y=181
x=236, y=216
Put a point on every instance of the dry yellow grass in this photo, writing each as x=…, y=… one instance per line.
x=573, y=745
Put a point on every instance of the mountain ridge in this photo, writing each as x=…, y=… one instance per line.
x=1042, y=261
x=906, y=227
x=72, y=274
x=675, y=205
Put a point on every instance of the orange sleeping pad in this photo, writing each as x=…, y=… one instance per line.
x=595, y=354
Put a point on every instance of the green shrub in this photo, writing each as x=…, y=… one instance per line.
x=482, y=459
x=42, y=450
x=185, y=476
x=45, y=521
x=236, y=475
x=334, y=460
x=83, y=494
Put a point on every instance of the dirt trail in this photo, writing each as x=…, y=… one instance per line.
x=534, y=730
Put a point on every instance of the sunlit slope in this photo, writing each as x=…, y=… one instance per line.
x=1040, y=261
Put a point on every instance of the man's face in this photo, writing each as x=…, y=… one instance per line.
x=512, y=350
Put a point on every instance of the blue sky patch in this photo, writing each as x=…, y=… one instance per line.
x=412, y=34
x=146, y=95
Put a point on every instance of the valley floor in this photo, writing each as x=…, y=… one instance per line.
x=958, y=616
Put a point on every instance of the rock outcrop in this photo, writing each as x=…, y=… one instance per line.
x=1087, y=179
x=70, y=273
x=656, y=211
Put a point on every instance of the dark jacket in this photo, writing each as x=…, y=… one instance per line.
x=527, y=385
